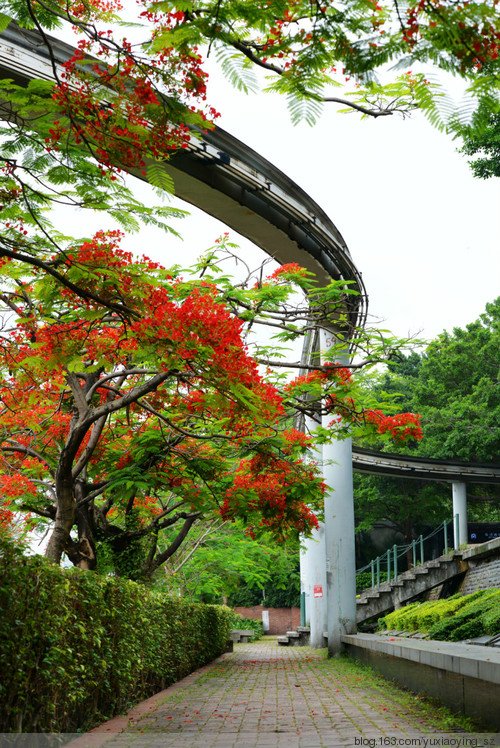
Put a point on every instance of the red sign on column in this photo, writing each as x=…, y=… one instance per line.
x=318, y=590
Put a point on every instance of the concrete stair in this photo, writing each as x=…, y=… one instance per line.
x=298, y=638
x=377, y=601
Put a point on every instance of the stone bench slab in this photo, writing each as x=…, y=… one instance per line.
x=241, y=635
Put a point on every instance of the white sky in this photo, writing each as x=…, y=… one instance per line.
x=424, y=233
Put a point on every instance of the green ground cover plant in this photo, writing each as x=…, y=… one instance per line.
x=454, y=619
x=77, y=648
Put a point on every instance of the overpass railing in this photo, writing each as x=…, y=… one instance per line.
x=385, y=567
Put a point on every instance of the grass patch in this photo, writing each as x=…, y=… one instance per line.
x=426, y=712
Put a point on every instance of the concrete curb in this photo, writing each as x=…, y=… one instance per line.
x=464, y=659
x=465, y=677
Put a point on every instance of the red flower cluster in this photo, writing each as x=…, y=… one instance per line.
x=332, y=372
x=15, y=485
x=135, y=122
x=477, y=42
x=401, y=426
x=271, y=491
x=287, y=271
x=6, y=518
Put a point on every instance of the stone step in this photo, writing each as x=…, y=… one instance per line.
x=293, y=634
x=375, y=592
x=283, y=640
x=304, y=629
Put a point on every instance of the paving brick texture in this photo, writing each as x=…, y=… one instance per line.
x=265, y=695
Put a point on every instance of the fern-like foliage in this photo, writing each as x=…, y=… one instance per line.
x=305, y=102
x=238, y=69
x=160, y=178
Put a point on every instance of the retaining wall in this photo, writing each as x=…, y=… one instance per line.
x=466, y=678
x=481, y=575
x=281, y=620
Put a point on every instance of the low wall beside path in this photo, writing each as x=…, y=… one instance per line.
x=464, y=677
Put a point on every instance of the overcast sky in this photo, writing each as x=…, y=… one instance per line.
x=424, y=233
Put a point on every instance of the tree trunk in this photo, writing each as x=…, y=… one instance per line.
x=160, y=558
x=65, y=518
x=86, y=549
x=65, y=487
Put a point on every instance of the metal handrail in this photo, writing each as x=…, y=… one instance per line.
x=391, y=556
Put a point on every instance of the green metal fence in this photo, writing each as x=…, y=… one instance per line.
x=389, y=560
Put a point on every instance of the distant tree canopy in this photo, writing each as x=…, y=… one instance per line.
x=457, y=391
x=218, y=562
x=485, y=146
x=455, y=386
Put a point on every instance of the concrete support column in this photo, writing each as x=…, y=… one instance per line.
x=313, y=572
x=339, y=536
x=313, y=583
x=459, y=492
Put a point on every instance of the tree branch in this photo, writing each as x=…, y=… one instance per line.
x=160, y=558
x=81, y=292
x=16, y=447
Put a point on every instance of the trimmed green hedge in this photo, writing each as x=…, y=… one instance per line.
x=77, y=648
x=453, y=619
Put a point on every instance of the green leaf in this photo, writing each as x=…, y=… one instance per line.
x=4, y=21
x=159, y=177
x=237, y=69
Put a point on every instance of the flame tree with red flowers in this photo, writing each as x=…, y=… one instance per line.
x=131, y=406
x=116, y=429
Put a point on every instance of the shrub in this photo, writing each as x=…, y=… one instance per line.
x=491, y=619
x=403, y=618
x=76, y=648
x=236, y=621
x=364, y=580
x=472, y=619
x=454, y=619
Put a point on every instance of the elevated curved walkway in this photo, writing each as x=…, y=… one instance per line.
x=223, y=177
x=423, y=468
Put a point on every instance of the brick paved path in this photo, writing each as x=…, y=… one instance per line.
x=265, y=695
